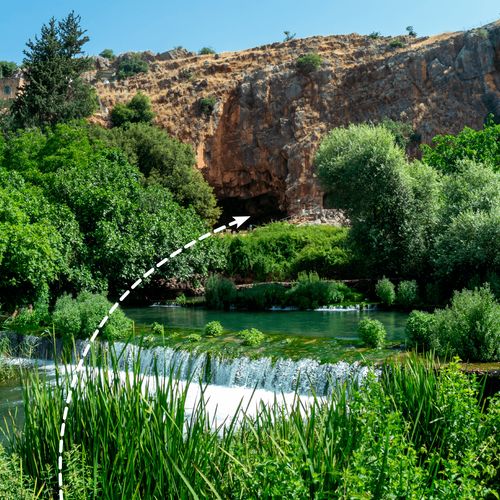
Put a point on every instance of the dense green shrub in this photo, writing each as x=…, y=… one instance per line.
x=252, y=337
x=372, y=332
x=311, y=292
x=482, y=146
x=193, y=337
x=206, y=105
x=279, y=251
x=469, y=327
x=407, y=293
x=403, y=132
x=397, y=43
x=411, y=31
x=220, y=292
x=158, y=329
x=375, y=35
x=420, y=329
x=308, y=63
x=108, y=54
x=213, y=329
x=206, y=51
x=7, y=69
x=131, y=65
x=137, y=110
x=386, y=291
x=262, y=296
x=78, y=318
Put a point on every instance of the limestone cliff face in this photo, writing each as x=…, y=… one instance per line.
x=257, y=147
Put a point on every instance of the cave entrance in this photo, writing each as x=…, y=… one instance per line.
x=262, y=209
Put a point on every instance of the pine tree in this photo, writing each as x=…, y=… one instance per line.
x=54, y=91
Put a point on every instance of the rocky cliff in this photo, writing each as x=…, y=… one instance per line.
x=257, y=146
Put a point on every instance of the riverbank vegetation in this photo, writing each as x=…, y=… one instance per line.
x=415, y=432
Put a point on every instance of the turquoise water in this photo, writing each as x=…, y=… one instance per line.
x=301, y=323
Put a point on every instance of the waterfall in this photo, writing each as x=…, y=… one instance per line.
x=282, y=375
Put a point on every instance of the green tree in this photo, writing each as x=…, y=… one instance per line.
x=54, y=90
x=308, y=63
x=7, y=69
x=168, y=162
x=108, y=54
x=482, y=146
x=204, y=51
x=130, y=65
x=137, y=110
x=369, y=176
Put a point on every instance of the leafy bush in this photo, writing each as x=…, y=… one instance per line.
x=206, y=105
x=308, y=63
x=78, y=318
x=131, y=65
x=482, y=146
x=407, y=294
x=420, y=329
x=220, y=292
x=7, y=69
x=193, y=337
x=469, y=327
x=181, y=300
x=397, y=43
x=279, y=251
x=204, y=51
x=385, y=291
x=262, y=296
x=213, y=329
x=375, y=35
x=108, y=54
x=372, y=332
x=411, y=31
x=138, y=110
x=252, y=337
x=310, y=292
x=158, y=329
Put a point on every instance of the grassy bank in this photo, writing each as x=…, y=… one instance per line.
x=415, y=433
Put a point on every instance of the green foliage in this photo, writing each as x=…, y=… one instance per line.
x=469, y=327
x=181, y=300
x=213, y=329
x=417, y=432
x=206, y=105
x=204, y=51
x=130, y=65
x=407, y=294
x=308, y=63
x=420, y=328
x=220, y=292
x=482, y=146
x=78, y=318
x=76, y=215
x=7, y=69
x=138, y=110
x=397, y=43
x=54, y=91
x=289, y=36
x=404, y=133
x=108, y=54
x=262, y=296
x=14, y=484
x=279, y=251
x=375, y=35
x=372, y=332
x=193, y=337
x=310, y=292
x=386, y=291
x=252, y=337
x=168, y=162
x=158, y=329
x=392, y=205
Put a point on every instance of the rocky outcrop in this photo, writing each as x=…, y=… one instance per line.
x=257, y=146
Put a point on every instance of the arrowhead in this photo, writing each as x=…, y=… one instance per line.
x=238, y=221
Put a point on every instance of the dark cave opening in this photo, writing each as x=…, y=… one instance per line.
x=262, y=209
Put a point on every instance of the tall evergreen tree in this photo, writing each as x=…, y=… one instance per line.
x=54, y=63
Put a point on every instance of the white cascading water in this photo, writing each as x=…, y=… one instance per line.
x=281, y=375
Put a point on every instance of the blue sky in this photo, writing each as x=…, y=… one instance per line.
x=159, y=25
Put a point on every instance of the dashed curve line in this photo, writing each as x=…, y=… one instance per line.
x=237, y=222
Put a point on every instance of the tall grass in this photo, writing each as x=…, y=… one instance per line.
x=413, y=432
